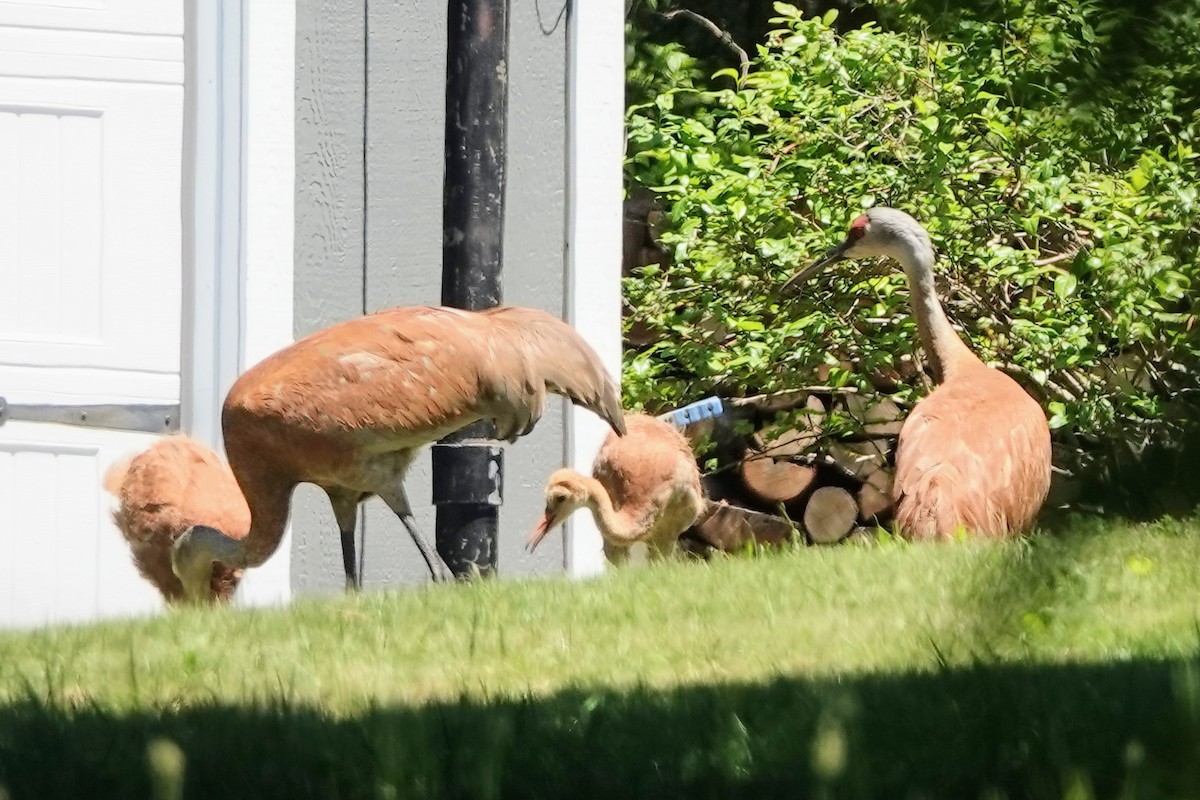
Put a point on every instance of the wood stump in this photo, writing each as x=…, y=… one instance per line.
x=830, y=515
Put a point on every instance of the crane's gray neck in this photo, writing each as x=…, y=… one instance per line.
x=943, y=347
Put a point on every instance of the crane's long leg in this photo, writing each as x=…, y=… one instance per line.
x=345, y=510
x=397, y=500
x=353, y=579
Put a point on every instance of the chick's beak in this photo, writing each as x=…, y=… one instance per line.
x=546, y=524
x=832, y=257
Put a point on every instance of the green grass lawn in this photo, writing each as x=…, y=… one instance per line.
x=1068, y=666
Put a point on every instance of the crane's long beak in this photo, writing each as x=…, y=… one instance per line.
x=832, y=257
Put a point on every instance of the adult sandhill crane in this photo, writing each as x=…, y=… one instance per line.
x=163, y=491
x=645, y=487
x=975, y=453
x=348, y=407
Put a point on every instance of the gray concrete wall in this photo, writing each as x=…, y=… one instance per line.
x=371, y=90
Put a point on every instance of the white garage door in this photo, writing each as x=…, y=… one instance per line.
x=91, y=111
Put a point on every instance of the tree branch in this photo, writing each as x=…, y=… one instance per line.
x=1064, y=256
x=722, y=36
x=1049, y=389
x=786, y=400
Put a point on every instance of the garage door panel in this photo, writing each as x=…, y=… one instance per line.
x=65, y=559
x=90, y=56
x=130, y=16
x=92, y=245
x=52, y=224
x=34, y=384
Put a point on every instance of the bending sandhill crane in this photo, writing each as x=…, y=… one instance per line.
x=645, y=487
x=348, y=407
x=161, y=492
x=975, y=453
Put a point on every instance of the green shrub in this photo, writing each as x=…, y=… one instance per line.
x=1068, y=245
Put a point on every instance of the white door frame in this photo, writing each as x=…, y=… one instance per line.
x=595, y=150
x=238, y=215
x=213, y=212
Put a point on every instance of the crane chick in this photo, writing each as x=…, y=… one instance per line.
x=645, y=487
x=975, y=454
x=163, y=491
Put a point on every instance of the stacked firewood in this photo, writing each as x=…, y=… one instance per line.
x=783, y=479
x=780, y=475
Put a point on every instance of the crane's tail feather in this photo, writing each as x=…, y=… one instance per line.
x=565, y=363
x=114, y=479
x=606, y=403
x=114, y=476
x=572, y=368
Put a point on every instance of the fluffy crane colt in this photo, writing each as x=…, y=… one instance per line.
x=161, y=493
x=645, y=487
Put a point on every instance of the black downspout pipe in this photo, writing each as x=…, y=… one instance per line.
x=468, y=468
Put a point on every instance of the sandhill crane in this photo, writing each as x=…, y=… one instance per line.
x=975, y=453
x=163, y=491
x=348, y=407
x=645, y=487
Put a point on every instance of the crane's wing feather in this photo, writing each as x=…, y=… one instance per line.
x=422, y=372
x=407, y=369
x=973, y=455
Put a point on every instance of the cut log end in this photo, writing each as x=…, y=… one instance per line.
x=830, y=515
x=787, y=442
x=879, y=416
x=772, y=481
x=874, y=503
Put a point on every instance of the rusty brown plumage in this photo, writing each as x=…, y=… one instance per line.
x=347, y=408
x=645, y=487
x=974, y=456
x=164, y=490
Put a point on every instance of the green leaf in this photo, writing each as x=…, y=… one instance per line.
x=1064, y=285
x=1138, y=179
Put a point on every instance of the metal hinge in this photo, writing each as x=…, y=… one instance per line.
x=148, y=418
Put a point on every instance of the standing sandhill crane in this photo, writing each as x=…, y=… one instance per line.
x=348, y=407
x=645, y=487
x=975, y=453
x=161, y=492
